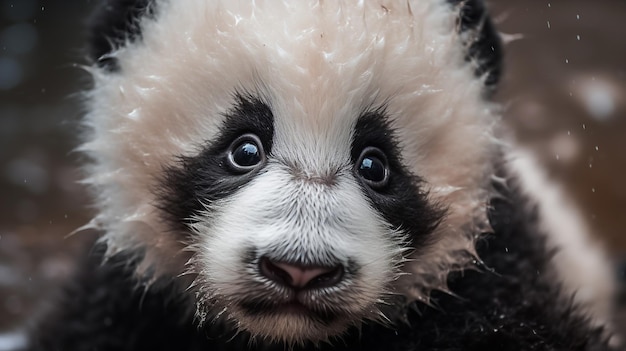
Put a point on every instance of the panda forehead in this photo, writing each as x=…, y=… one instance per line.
x=323, y=25
x=318, y=56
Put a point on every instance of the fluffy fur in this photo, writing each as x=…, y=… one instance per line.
x=176, y=89
x=317, y=82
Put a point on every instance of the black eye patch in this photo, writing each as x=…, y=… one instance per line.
x=396, y=195
x=224, y=165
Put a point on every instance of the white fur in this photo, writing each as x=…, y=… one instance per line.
x=319, y=64
x=281, y=217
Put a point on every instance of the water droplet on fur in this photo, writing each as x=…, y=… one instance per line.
x=578, y=37
x=548, y=24
x=593, y=190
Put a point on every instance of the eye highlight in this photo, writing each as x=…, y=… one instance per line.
x=373, y=168
x=246, y=153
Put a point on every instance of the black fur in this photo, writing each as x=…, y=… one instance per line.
x=207, y=176
x=401, y=202
x=483, y=41
x=512, y=305
x=115, y=22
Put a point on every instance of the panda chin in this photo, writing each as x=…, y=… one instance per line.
x=291, y=318
x=290, y=323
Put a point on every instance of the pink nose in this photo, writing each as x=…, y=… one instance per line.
x=300, y=276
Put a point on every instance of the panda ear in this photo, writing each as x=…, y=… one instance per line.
x=113, y=24
x=482, y=41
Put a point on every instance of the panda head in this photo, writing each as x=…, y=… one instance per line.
x=301, y=164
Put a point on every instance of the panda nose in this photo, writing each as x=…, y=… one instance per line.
x=300, y=276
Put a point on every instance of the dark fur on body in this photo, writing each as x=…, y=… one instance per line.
x=507, y=304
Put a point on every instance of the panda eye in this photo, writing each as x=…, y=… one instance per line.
x=246, y=153
x=373, y=168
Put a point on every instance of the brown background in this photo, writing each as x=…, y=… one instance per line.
x=564, y=94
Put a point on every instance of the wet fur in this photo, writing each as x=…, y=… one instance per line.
x=517, y=307
x=453, y=254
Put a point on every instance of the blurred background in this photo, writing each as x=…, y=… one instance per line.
x=564, y=94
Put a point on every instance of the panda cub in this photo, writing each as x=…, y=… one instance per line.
x=317, y=175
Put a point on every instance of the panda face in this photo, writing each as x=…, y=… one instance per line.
x=296, y=236
x=302, y=164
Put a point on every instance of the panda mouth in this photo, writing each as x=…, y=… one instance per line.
x=291, y=307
